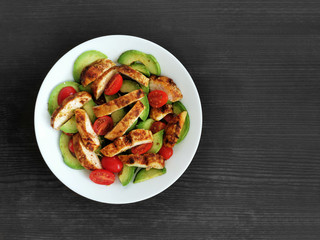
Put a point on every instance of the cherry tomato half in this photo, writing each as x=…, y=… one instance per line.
x=70, y=145
x=101, y=176
x=166, y=152
x=157, y=98
x=141, y=149
x=157, y=126
x=64, y=93
x=112, y=164
x=103, y=125
x=168, y=118
x=114, y=85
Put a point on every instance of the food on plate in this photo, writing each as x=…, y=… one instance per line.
x=106, y=121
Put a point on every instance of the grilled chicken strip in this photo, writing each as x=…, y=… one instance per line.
x=94, y=70
x=159, y=113
x=88, y=159
x=66, y=110
x=126, y=122
x=167, y=85
x=135, y=75
x=89, y=138
x=101, y=82
x=134, y=138
x=147, y=160
x=173, y=129
x=118, y=103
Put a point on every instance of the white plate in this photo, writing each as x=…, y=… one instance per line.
x=78, y=180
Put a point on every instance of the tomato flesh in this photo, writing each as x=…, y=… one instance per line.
x=141, y=149
x=114, y=85
x=103, y=125
x=112, y=164
x=68, y=134
x=64, y=93
x=157, y=98
x=70, y=145
x=166, y=152
x=101, y=176
x=157, y=126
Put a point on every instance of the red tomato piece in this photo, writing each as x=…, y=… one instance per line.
x=166, y=152
x=141, y=149
x=168, y=118
x=68, y=134
x=70, y=145
x=101, y=176
x=157, y=98
x=157, y=126
x=112, y=164
x=103, y=125
x=114, y=85
x=64, y=93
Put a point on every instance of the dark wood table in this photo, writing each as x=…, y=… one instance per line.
x=256, y=174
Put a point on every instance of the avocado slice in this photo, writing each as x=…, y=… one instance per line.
x=70, y=126
x=132, y=126
x=144, y=175
x=146, y=125
x=144, y=115
x=149, y=61
x=88, y=108
x=129, y=86
x=126, y=174
x=84, y=60
x=53, y=98
x=178, y=107
x=68, y=158
x=86, y=88
x=141, y=68
x=117, y=115
x=157, y=142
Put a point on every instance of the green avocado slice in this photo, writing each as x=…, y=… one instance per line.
x=146, y=125
x=68, y=158
x=126, y=174
x=84, y=60
x=149, y=61
x=70, y=126
x=141, y=68
x=53, y=98
x=144, y=175
x=178, y=107
x=157, y=142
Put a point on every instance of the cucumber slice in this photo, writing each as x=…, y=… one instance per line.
x=129, y=86
x=144, y=175
x=144, y=115
x=141, y=68
x=157, y=142
x=146, y=125
x=178, y=107
x=88, y=108
x=70, y=126
x=84, y=60
x=53, y=99
x=126, y=174
x=68, y=158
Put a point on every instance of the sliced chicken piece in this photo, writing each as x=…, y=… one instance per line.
x=147, y=160
x=88, y=159
x=89, y=138
x=94, y=70
x=126, y=122
x=118, y=103
x=134, y=138
x=167, y=85
x=135, y=75
x=66, y=110
x=159, y=113
x=173, y=129
x=101, y=82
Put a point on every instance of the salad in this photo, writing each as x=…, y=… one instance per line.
x=119, y=119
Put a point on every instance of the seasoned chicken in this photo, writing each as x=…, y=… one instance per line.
x=101, y=82
x=147, y=160
x=126, y=122
x=167, y=85
x=173, y=129
x=66, y=110
x=118, y=103
x=88, y=159
x=89, y=138
x=94, y=70
x=134, y=138
x=135, y=75
x=159, y=113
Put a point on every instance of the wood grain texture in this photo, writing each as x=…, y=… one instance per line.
x=256, y=174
